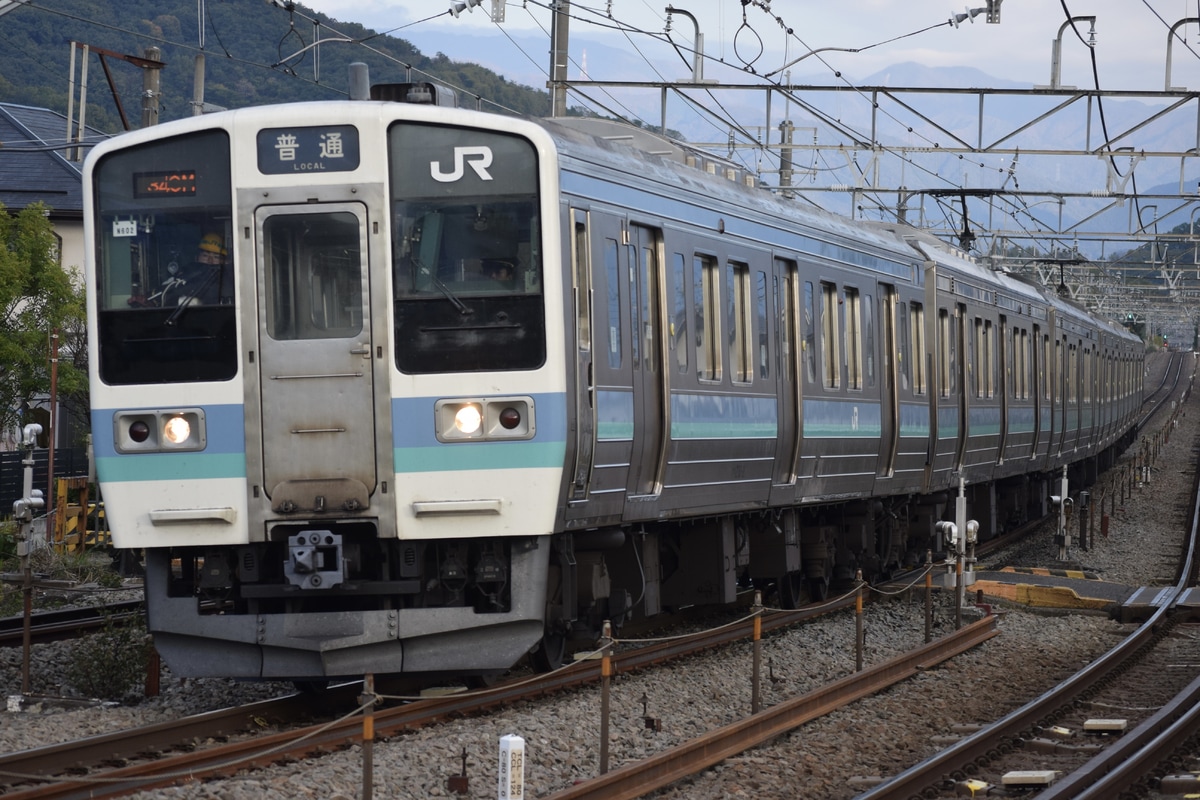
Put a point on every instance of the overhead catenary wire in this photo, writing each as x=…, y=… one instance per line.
x=713, y=113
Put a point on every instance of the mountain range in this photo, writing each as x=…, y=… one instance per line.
x=259, y=53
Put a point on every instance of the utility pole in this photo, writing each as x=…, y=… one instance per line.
x=151, y=79
x=559, y=34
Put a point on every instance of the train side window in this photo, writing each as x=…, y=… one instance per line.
x=1089, y=360
x=993, y=359
x=810, y=333
x=854, y=370
x=1072, y=374
x=975, y=358
x=649, y=315
x=786, y=304
x=705, y=308
x=989, y=359
x=1012, y=365
x=698, y=335
x=583, y=289
x=955, y=344
x=920, y=379
x=1060, y=370
x=869, y=341
x=678, y=323
x=760, y=325
x=612, y=279
x=830, y=337
x=904, y=347
x=1021, y=364
x=945, y=343
x=737, y=312
x=1043, y=375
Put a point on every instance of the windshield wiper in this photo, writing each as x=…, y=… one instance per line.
x=462, y=307
x=185, y=301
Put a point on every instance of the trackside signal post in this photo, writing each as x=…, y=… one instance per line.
x=23, y=515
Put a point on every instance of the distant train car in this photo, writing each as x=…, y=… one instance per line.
x=398, y=388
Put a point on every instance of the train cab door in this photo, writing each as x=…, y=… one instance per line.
x=315, y=358
x=646, y=360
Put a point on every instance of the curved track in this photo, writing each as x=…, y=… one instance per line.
x=1119, y=765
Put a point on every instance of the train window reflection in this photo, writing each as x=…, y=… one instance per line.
x=314, y=276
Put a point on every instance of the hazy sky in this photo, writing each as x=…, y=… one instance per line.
x=1130, y=38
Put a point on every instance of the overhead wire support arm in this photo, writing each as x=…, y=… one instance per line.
x=697, y=44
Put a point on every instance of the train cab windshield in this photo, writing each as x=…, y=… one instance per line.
x=467, y=263
x=164, y=272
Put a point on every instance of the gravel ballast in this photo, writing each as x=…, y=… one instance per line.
x=879, y=735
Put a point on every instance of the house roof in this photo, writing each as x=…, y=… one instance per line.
x=32, y=168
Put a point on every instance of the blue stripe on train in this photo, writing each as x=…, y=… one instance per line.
x=224, y=455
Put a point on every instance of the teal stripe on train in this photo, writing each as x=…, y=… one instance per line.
x=723, y=416
x=914, y=420
x=481, y=455
x=224, y=455
x=985, y=420
x=614, y=414
x=415, y=447
x=855, y=419
x=171, y=467
x=947, y=422
x=1020, y=420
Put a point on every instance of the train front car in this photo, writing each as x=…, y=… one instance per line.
x=328, y=386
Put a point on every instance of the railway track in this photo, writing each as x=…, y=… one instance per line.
x=53, y=626
x=349, y=731
x=168, y=768
x=1147, y=682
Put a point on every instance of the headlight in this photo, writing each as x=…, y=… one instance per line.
x=159, y=430
x=468, y=419
x=176, y=430
x=484, y=419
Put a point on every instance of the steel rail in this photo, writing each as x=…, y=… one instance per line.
x=262, y=750
x=943, y=764
x=54, y=626
x=1131, y=756
x=127, y=744
x=662, y=769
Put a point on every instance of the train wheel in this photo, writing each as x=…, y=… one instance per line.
x=790, y=588
x=478, y=682
x=818, y=589
x=550, y=652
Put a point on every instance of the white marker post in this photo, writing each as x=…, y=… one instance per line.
x=512, y=768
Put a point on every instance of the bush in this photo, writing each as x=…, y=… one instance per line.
x=111, y=664
x=8, y=545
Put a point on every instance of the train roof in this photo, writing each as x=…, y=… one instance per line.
x=643, y=153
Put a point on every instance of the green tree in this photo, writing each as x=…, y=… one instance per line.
x=37, y=296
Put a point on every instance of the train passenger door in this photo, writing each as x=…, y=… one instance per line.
x=958, y=375
x=650, y=418
x=315, y=357
x=787, y=346
x=585, y=390
x=612, y=399
x=1004, y=378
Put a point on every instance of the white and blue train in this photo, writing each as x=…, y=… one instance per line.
x=392, y=387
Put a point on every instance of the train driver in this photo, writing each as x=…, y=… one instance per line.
x=499, y=271
x=208, y=280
